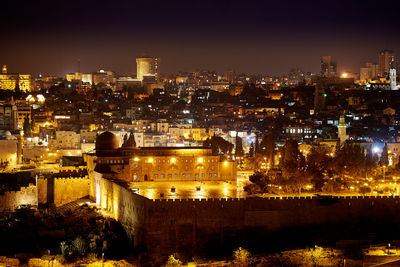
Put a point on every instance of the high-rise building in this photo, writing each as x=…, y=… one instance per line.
x=104, y=77
x=369, y=72
x=147, y=67
x=87, y=78
x=73, y=76
x=12, y=81
x=328, y=67
x=8, y=117
x=385, y=60
x=230, y=75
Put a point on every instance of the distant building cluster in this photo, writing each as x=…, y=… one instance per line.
x=14, y=81
x=198, y=126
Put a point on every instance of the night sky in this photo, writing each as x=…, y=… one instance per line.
x=267, y=37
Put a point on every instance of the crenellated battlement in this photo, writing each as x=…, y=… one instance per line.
x=272, y=203
x=71, y=177
x=170, y=200
x=19, y=189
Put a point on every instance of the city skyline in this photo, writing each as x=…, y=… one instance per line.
x=199, y=133
x=256, y=38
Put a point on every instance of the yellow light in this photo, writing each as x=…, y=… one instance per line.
x=30, y=98
x=41, y=98
x=344, y=75
x=150, y=160
x=225, y=163
x=173, y=160
x=136, y=159
x=200, y=160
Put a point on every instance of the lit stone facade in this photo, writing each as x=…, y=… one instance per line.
x=9, y=82
x=165, y=164
x=147, y=66
x=193, y=172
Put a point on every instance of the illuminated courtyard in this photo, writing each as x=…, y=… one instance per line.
x=187, y=190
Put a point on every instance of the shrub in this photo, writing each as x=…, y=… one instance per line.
x=241, y=256
x=172, y=261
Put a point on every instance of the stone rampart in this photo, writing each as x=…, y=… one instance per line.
x=11, y=200
x=191, y=225
x=128, y=208
x=68, y=189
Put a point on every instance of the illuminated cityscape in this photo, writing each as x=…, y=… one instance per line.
x=199, y=134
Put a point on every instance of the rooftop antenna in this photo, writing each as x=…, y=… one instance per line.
x=79, y=65
x=79, y=71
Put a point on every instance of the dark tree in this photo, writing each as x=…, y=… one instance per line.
x=318, y=165
x=256, y=146
x=267, y=147
x=238, y=147
x=350, y=160
x=129, y=141
x=27, y=127
x=384, y=161
x=370, y=161
x=291, y=157
x=251, y=150
x=218, y=145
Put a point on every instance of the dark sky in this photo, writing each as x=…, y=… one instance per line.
x=267, y=37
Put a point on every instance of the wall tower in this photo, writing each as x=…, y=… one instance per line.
x=342, y=130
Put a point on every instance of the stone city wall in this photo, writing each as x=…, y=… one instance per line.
x=187, y=225
x=42, y=191
x=11, y=200
x=62, y=190
x=126, y=207
x=70, y=189
x=191, y=225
